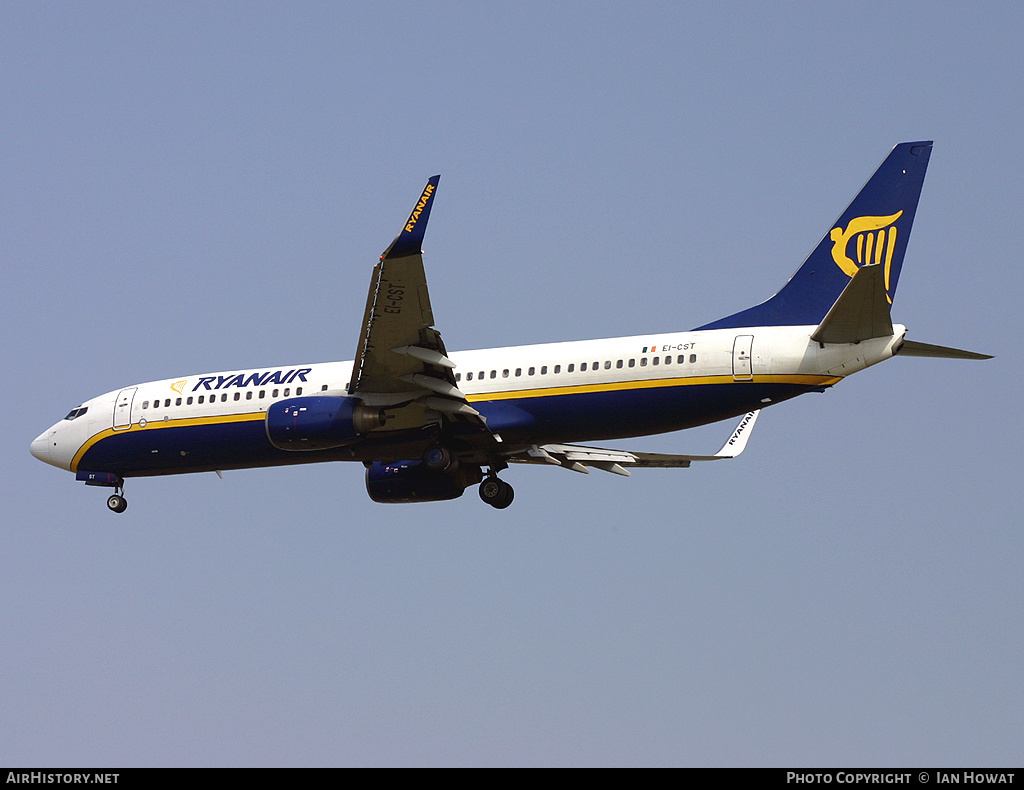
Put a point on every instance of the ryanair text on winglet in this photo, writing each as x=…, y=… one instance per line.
x=414, y=217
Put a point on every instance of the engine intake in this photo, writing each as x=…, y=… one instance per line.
x=319, y=422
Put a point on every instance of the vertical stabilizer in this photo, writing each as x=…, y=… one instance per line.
x=874, y=229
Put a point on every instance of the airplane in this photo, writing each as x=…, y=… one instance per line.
x=427, y=425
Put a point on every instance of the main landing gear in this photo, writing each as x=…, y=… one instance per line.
x=496, y=492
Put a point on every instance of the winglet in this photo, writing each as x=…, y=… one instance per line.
x=737, y=443
x=410, y=240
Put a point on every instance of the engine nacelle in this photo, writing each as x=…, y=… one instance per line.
x=413, y=481
x=319, y=422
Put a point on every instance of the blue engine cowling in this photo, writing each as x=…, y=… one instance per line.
x=319, y=422
x=413, y=481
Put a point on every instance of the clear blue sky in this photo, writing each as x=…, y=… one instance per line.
x=199, y=186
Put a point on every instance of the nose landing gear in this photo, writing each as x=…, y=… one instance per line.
x=117, y=502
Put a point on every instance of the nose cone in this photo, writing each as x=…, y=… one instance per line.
x=41, y=445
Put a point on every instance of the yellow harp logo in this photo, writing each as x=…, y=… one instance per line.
x=178, y=386
x=875, y=242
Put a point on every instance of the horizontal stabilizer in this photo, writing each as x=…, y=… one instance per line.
x=860, y=313
x=911, y=348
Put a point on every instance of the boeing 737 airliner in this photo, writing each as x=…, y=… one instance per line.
x=427, y=424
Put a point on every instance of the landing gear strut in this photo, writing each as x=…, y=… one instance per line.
x=496, y=492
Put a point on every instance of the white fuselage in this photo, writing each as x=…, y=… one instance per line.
x=745, y=361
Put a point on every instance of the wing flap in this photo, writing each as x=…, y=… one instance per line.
x=578, y=457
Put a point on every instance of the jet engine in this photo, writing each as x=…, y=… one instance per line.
x=319, y=422
x=413, y=481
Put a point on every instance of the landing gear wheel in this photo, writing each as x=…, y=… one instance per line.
x=117, y=503
x=496, y=492
x=439, y=458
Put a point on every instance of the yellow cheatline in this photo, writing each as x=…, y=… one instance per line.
x=619, y=386
x=544, y=392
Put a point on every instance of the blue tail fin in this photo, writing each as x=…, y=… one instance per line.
x=874, y=228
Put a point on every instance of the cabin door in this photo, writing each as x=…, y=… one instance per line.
x=741, y=348
x=123, y=409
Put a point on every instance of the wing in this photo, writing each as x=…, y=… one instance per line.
x=401, y=362
x=578, y=458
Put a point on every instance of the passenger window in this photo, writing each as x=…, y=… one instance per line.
x=643, y=362
x=248, y=395
x=274, y=393
x=480, y=375
x=531, y=371
x=607, y=364
x=322, y=389
x=189, y=401
x=469, y=376
x=544, y=370
x=632, y=363
x=494, y=374
x=618, y=363
x=519, y=372
x=263, y=393
x=177, y=401
x=654, y=360
x=681, y=359
x=224, y=398
x=693, y=357
x=570, y=368
x=298, y=391
x=458, y=377
x=287, y=390
x=145, y=404
x=202, y=399
x=504, y=373
x=583, y=367
x=558, y=368
x=238, y=395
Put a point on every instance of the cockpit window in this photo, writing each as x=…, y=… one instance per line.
x=78, y=412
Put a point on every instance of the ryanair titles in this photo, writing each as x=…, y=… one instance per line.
x=252, y=379
x=415, y=216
